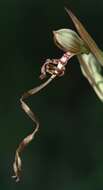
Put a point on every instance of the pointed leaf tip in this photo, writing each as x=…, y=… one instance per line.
x=91, y=44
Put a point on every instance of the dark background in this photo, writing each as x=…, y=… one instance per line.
x=67, y=153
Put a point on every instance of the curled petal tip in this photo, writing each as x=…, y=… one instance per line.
x=17, y=179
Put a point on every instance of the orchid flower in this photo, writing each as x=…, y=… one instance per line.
x=90, y=58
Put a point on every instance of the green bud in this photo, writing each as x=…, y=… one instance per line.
x=68, y=40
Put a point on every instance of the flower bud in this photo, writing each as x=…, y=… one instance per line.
x=68, y=40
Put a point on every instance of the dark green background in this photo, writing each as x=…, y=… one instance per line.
x=67, y=153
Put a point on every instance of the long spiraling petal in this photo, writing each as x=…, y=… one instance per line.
x=17, y=165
